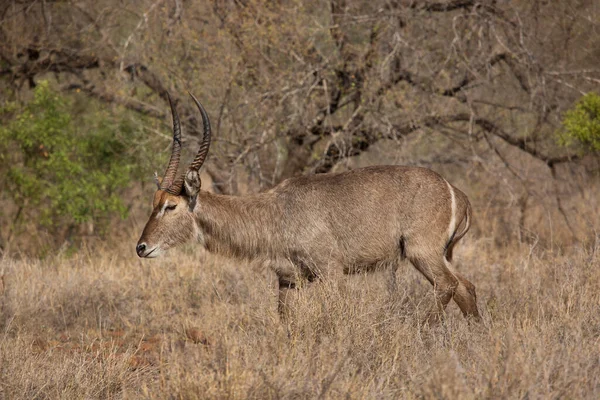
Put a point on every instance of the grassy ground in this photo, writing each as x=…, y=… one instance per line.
x=105, y=324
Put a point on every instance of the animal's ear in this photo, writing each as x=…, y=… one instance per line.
x=192, y=186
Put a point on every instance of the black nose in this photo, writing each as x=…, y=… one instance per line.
x=140, y=248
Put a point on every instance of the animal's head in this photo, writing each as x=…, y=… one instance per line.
x=172, y=219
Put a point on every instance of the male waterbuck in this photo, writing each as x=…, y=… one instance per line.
x=320, y=225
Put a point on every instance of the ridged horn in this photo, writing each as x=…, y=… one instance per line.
x=171, y=171
x=202, y=152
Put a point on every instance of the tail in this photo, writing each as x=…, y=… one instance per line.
x=468, y=213
x=456, y=236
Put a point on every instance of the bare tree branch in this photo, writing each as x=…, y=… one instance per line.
x=129, y=103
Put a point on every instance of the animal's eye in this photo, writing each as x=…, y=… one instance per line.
x=171, y=207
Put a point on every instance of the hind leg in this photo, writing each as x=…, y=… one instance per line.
x=445, y=283
x=464, y=296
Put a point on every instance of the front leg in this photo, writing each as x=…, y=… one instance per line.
x=284, y=273
x=285, y=286
x=299, y=273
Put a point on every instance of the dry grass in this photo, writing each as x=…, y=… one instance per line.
x=104, y=324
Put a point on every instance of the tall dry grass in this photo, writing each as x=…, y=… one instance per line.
x=104, y=324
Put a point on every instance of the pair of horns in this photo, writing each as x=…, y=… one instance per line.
x=170, y=183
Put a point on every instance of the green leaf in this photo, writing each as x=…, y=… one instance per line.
x=70, y=167
x=581, y=125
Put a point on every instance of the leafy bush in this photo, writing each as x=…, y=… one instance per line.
x=582, y=123
x=61, y=169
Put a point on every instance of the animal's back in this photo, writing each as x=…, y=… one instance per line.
x=361, y=216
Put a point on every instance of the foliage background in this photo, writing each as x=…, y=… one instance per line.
x=477, y=91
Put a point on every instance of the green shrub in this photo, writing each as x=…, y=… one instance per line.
x=582, y=123
x=62, y=169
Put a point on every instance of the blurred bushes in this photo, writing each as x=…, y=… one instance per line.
x=581, y=124
x=62, y=169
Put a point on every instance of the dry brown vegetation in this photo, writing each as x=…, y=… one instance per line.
x=103, y=324
x=475, y=90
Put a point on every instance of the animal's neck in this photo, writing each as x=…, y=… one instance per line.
x=242, y=227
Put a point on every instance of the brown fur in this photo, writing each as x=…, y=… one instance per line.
x=315, y=226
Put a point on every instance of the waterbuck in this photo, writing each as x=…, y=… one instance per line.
x=320, y=225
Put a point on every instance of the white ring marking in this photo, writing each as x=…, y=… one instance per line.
x=452, y=226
